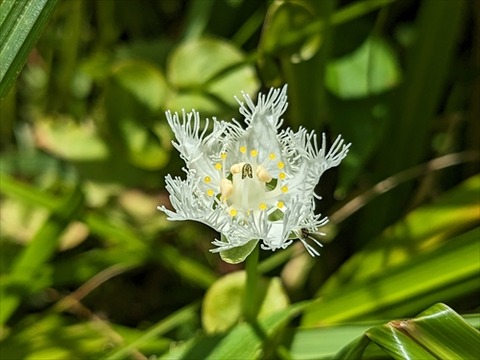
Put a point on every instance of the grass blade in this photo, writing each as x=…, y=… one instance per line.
x=21, y=23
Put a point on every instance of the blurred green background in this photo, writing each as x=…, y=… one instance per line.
x=89, y=267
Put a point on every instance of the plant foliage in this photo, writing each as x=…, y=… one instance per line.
x=90, y=269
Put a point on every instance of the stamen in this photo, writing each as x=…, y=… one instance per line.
x=253, y=153
x=263, y=206
x=223, y=155
x=210, y=192
x=280, y=204
x=262, y=174
x=243, y=149
x=284, y=188
x=282, y=176
x=226, y=188
x=281, y=165
x=272, y=156
x=233, y=212
x=236, y=168
x=218, y=166
x=207, y=179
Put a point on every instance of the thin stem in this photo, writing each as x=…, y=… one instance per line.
x=250, y=301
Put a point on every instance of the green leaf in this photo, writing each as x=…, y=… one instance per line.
x=397, y=344
x=242, y=342
x=21, y=24
x=143, y=81
x=424, y=229
x=448, y=272
x=371, y=69
x=297, y=34
x=218, y=72
x=436, y=333
x=70, y=140
x=222, y=304
x=237, y=254
x=285, y=19
x=327, y=342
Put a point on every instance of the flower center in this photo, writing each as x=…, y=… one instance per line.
x=249, y=186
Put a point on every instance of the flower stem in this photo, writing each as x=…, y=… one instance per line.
x=250, y=301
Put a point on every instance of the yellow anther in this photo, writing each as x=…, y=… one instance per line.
x=207, y=179
x=282, y=176
x=233, y=212
x=243, y=149
x=281, y=165
x=263, y=206
x=263, y=175
x=284, y=188
x=272, y=156
x=210, y=192
x=280, y=204
x=236, y=168
x=226, y=188
x=223, y=155
x=253, y=153
x=218, y=166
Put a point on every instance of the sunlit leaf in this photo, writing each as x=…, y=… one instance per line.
x=371, y=69
x=143, y=81
x=424, y=229
x=238, y=254
x=222, y=304
x=218, y=72
x=440, y=275
x=242, y=342
x=436, y=333
x=70, y=140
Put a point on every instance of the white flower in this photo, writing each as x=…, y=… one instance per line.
x=251, y=184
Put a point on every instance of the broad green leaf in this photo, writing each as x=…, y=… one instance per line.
x=142, y=80
x=21, y=24
x=238, y=254
x=204, y=103
x=70, y=140
x=371, y=69
x=445, y=273
x=222, y=304
x=210, y=69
